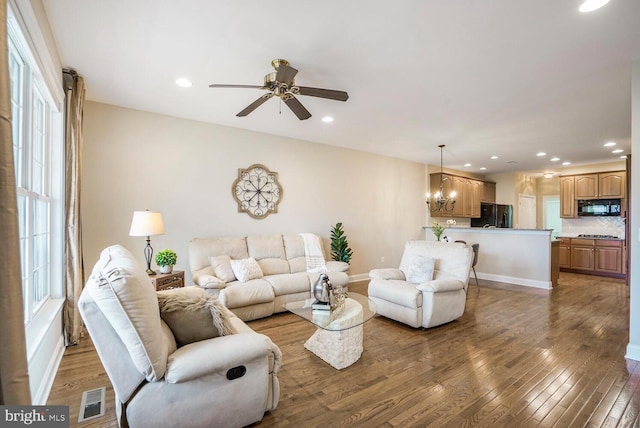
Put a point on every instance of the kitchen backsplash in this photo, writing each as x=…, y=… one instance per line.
x=593, y=226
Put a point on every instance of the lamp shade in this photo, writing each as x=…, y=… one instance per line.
x=146, y=223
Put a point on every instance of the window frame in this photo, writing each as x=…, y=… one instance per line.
x=35, y=90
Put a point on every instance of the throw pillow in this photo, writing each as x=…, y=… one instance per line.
x=420, y=269
x=122, y=290
x=222, y=267
x=191, y=315
x=246, y=269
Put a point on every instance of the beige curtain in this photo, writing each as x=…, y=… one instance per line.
x=74, y=268
x=14, y=379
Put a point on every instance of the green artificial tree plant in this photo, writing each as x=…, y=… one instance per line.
x=340, y=250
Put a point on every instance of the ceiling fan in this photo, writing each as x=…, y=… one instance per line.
x=281, y=83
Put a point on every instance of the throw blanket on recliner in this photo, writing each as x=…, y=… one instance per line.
x=313, y=253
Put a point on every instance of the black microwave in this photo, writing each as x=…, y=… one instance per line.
x=598, y=207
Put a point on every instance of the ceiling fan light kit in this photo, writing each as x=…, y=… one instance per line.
x=281, y=83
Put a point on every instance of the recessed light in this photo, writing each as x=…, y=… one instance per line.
x=548, y=174
x=609, y=144
x=556, y=159
x=183, y=82
x=482, y=168
x=494, y=157
x=591, y=5
x=623, y=157
x=467, y=164
x=541, y=154
x=566, y=163
x=616, y=151
x=327, y=119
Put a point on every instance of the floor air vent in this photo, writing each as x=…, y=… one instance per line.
x=92, y=405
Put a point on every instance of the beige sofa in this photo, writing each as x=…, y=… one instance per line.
x=429, y=288
x=283, y=275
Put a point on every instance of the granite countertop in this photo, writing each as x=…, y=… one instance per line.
x=503, y=229
x=590, y=237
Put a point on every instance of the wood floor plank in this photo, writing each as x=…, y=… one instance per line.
x=518, y=357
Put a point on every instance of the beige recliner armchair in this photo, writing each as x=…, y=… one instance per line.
x=429, y=288
x=175, y=358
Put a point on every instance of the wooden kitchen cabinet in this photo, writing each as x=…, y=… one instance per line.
x=602, y=185
x=469, y=194
x=582, y=254
x=564, y=253
x=608, y=256
x=474, y=193
x=488, y=192
x=612, y=185
x=605, y=256
x=586, y=186
x=567, y=197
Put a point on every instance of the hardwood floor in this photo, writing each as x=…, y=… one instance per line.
x=518, y=357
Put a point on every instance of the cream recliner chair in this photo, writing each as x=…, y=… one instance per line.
x=428, y=289
x=175, y=358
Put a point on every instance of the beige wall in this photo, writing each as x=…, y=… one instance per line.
x=137, y=160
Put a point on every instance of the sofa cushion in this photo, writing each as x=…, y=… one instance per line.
x=265, y=247
x=293, y=246
x=268, y=250
x=122, y=290
x=239, y=294
x=246, y=269
x=419, y=268
x=273, y=266
x=222, y=267
x=191, y=314
x=289, y=283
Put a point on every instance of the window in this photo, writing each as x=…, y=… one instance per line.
x=36, y=146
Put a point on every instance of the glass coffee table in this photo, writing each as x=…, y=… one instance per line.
x=338, y=339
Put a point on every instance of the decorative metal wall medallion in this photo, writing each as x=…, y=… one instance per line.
x=257, y=191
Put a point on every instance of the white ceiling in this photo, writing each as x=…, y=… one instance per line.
x=485, y=77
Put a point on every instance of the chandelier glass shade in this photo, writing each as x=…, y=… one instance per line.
x=438, y=202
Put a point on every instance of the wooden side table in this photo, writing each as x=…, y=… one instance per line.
x=167, y=281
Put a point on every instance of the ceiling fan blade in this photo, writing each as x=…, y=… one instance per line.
x=254, y=105
x=323, y=93
x=296, y=107
x=285, y=74
x=217, y=85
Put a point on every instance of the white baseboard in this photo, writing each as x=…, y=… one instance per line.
x=42, y=394
x=514, y=280
x=359, y=277
x=633, y=352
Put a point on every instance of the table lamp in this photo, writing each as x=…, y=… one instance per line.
x=147, y=223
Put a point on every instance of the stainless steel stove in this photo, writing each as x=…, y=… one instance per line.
x=597, y=236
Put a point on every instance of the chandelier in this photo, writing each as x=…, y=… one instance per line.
x=440, y=202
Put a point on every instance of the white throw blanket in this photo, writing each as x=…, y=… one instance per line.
x=313, y=253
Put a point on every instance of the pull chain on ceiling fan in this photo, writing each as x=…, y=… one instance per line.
x=281, y=83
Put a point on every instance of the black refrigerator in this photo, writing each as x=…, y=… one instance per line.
x=494, y=215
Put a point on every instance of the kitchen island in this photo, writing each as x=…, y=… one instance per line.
x=515, y=256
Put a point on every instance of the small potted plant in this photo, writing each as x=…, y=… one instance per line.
x=166, y=259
